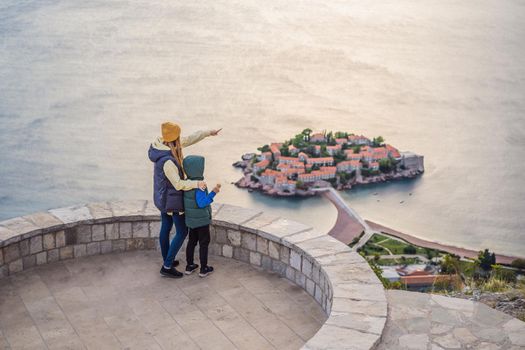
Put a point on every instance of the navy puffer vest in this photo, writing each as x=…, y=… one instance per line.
x=165, y=196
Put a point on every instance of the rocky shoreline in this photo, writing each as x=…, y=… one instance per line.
x=246, y=181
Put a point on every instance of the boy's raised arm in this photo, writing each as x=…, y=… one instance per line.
x=202, y=199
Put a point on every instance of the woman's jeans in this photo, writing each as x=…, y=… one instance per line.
x=169, y=251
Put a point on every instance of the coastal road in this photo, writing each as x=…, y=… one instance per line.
x=349, y=224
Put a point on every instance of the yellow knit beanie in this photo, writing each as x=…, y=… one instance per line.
x=170, y=131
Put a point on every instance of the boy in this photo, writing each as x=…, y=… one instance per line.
x=198, y=216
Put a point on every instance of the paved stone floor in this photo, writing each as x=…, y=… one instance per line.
x=120, y=301
x=425, y=321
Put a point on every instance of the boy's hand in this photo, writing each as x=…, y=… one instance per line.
x=202, y=185
x=217, y=188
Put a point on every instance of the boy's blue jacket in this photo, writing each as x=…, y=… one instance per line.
x=203, y=198
x=196, y=202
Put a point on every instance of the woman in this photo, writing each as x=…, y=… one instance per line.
x=169, y=181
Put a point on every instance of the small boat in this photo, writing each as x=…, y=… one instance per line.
x=401, y=202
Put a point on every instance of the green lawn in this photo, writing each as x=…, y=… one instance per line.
x=370, y=249
x=394, y=245
x=390, y=262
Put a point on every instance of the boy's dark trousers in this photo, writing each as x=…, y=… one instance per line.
x=202, y=236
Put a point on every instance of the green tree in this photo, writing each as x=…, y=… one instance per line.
x=264, y=148
x=339, y=157
x=357, y=149
x=450, y=265
x=341, y=134
x=518, y=263
x=344, y=177
x=486, y=260
x=307, y=132
x=378, y=141
x=385, y=165
x=330, y=139
x=284, y=151
x=409, y=249
x=324, y=153
x=300, y=185
x=429, y=253
x=298, y=141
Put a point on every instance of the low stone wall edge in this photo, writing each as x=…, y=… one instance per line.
x=340, y=280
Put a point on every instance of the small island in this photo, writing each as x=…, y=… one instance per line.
x=315, y=160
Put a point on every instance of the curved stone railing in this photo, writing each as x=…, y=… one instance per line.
x=341, y=281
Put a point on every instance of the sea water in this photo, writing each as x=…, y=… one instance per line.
x=85, y=85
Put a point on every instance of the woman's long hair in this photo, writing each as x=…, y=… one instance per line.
x=176, y=151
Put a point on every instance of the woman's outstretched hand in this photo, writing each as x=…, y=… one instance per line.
x=215, y=132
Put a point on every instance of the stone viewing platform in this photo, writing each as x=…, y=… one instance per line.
x=80, y=277
x=119, y=301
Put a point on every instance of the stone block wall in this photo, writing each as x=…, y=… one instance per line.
x=339, y=280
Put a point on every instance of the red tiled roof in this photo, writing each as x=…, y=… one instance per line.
x=321, y=160
x=393, y=151
x=328, y=169
x=354, y=163
x=424, y=279
x=271, y=172
x=288, y=158
x=262, y=164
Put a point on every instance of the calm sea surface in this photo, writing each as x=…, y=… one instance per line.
x=84, y=86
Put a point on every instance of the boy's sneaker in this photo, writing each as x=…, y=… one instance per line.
x=205, y=271
x=172, y=273
x=191, y=268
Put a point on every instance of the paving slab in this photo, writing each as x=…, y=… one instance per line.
x=428, y=321
x=119, y=301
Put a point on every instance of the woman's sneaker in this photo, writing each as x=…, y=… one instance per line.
x=172, y=273
x=205, y=271
x=191, y=268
